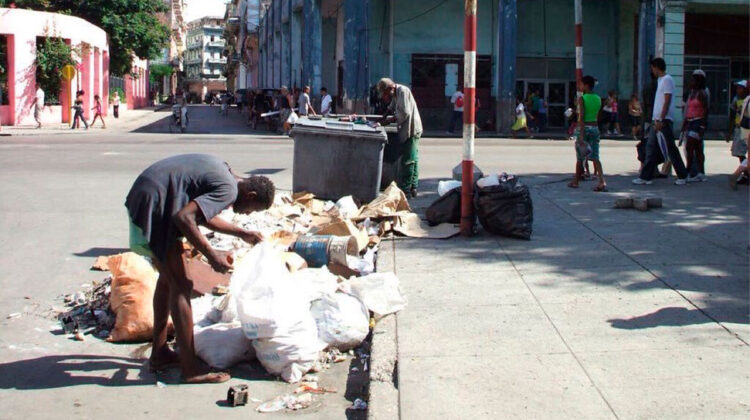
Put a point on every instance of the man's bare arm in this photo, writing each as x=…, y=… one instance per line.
x=187, y=221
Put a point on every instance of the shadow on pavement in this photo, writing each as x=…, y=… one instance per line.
x=100, y=251
x=203, y=119
x=61, y=371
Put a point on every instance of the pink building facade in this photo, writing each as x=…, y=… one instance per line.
x=19, y=29
x=137, y=85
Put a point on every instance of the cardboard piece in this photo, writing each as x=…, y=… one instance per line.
x=390, y=202
x=345, y=228
x=199, y=272
x=412, y=226
x=284, y=238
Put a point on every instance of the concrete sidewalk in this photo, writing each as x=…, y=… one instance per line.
x=129, y=120
x=604, y=314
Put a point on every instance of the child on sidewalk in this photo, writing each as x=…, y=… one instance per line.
x=587, y=135
x=520, y=123
x=97, y=111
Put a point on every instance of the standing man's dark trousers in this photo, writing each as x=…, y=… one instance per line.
x=653, y=153
x=408, y=173
x=456, y=116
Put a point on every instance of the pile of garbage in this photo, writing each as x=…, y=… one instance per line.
x=294, y=302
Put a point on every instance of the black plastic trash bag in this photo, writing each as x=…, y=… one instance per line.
x=505, y=209
x=446, y=209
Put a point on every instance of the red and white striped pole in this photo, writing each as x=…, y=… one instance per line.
x=579, y=56
x=467, y=164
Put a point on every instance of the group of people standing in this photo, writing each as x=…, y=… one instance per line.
x=37, y=105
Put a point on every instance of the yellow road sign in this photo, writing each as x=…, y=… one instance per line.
x=68, y=72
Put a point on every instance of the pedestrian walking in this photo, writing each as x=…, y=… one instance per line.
x=661, y=130
x=740, y=176
x=541, y=123
x=38, y=105
x=304, y=106
x=520, y=124
x=116, y=105
x=284, y=104
x=78, y=117
x=457, y=110
x=533, y=108
x=636, y=116
x=694, y=127
x=97, y=112
x=404, y=112
x=168, y=202
x=739, y=146
x=326, y=102
x=587, y=135
x=611, y=114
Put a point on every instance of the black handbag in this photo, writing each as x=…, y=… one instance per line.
x=745, y=121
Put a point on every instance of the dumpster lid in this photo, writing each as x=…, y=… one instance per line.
x=332, y=126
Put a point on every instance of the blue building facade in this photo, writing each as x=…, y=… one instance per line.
x=522, y=46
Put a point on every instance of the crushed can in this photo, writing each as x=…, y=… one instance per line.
x=237, y=395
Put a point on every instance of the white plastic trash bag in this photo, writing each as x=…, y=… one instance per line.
x=347, y=207
x=445, y=186
x=343, y=320
x=223, y=345
x=293, y=354
x=293, y=118
x=269, y=303
x=380, y=292
x=314, y=283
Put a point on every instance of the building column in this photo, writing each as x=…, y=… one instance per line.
x=674, y=51
x=105, y=81
x=646, y=43
x=507, y=33
x=312, y=52
x=296, y=48
x=355, y=53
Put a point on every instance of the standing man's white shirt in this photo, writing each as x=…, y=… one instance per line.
x=39, y=98
x=455, y=102
x=325, y=105
x=665, y=86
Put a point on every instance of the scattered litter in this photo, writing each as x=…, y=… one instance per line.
x=14, y=315
x=292, y=402
x=78, y=336
x=638, y=203
x=359, y=404
x=380, y=292
x=446, y=186
x=160, y=384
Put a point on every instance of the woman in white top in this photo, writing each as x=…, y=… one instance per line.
x=116, y=105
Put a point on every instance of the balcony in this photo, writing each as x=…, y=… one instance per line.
x=220, y=60
x=218, y=44
x=190, y=61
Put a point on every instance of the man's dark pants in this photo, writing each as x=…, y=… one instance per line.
x=456, y=116
x=653, y=153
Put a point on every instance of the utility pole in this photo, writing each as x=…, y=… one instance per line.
x=579, y=56
x=467, y=163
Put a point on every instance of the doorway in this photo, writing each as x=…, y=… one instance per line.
x=558, y=93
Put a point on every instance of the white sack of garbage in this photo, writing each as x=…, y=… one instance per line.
x=315, y=282
x=269, y=302
x=292, y=354
x=380, y=292
x=223, y=345
x=342, y=319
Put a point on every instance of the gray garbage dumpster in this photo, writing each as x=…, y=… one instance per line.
x=333, y=159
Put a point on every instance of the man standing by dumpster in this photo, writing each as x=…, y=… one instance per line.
x=403, y=111
x=167, y=202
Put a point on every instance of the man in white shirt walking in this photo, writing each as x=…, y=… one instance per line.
x=38, y=106
x=663, y=112
x=325, y=102
x=457, y=100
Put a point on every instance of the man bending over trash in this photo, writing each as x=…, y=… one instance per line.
x=168, y=201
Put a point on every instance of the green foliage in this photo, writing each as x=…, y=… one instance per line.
x=158, y=71
x=133, y=26
x=52, y=54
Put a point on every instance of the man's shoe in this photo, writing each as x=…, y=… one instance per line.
x=742, y=180
x=413, y=193
x=702, y=177
x=692, y=179
x=681, y=181
x=641, y=181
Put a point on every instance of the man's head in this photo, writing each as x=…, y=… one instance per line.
x=658, y=66
x=323, y=91
x=588, y=83
x=254, y=194
x=742, y=88
x=386, y=87
x=306, y=89
x=284, y=90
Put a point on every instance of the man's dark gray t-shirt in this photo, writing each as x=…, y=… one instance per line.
x=168, y=185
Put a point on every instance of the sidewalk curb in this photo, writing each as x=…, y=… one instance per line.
x=384, y=393
x=64, y=128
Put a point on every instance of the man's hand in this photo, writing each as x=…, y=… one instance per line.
x=658, y=125
x=252, y=237
x=221, y=262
